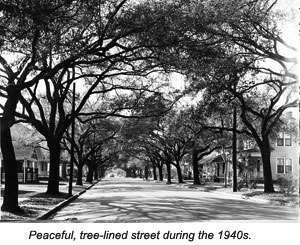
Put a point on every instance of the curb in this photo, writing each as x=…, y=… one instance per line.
x=64, y=203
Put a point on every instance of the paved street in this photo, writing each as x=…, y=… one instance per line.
x=135, y=200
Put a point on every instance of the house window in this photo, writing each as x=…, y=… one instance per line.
x=280, y=139
x=284, y=165
x=284, y=139
x=288, y=165
x=280, y=165
x=258, y=165
x=288, y=139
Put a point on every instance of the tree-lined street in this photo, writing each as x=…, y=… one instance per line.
x=136, y=200
x=162, y=90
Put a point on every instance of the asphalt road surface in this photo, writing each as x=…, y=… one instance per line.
x=135, y=200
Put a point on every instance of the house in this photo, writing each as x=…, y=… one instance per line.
x=213, y=164
x=249, y=164
x=284, y=158
x=30, y=164
x=285, y=155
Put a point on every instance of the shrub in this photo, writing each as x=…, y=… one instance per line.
x=287, y=184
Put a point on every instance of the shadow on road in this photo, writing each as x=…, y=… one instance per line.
x=141, y=201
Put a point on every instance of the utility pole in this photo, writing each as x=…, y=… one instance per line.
x=234, y=152
x=0, y=151
x=72, y=143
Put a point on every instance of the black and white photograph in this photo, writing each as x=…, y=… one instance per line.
x=162, y=112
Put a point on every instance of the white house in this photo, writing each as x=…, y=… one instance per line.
x=30, y=164
x=284, y=156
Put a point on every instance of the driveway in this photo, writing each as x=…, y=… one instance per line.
x=135, y=200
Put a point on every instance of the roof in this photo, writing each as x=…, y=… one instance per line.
x=254, y=152
x=28, y=152
x=212, y=158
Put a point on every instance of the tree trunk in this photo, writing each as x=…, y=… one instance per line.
x=134, y=174
x=179, y=173
x=154, y=171
x=195, y=167
x=79, y=174
x=64, y=170
x=96, y=173
x=102, y=171
x=127, y=170
x=53, y=183
x=99, y=172
x=10, y=197
x=168, y=164
x=266, y=155
x=160, y=172
x=146, y=172
x=89, y=176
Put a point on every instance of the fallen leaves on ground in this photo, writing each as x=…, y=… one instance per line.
x=35, y=206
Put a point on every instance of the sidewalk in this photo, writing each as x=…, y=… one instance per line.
x=257, y=194
x=37, y=204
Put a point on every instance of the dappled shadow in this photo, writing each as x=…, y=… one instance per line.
x=23, y=213
x=117, y=208
x=20, y=192
x=144, y=202
x=46, y=195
